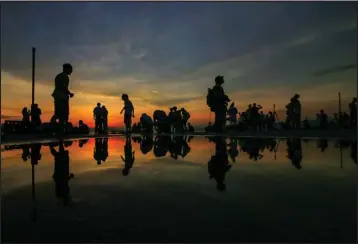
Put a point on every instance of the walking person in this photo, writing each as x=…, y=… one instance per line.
x=61, y=96
x=217, y=101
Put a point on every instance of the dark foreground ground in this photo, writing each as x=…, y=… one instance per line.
x=349, y=134
x=167, y=200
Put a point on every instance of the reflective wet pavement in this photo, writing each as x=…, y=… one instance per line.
x=180, y=190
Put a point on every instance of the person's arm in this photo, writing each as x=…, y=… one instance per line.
x=123, y=159
x=40, y=112
x=123, y=109
x=132, y=110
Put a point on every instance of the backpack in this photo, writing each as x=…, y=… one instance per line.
x=210, y=99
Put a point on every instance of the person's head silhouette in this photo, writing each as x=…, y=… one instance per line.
x=67, y=68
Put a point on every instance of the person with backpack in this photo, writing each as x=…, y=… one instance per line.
x=217, y=101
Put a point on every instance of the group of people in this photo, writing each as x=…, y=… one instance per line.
x=100, y=115
x=176, y=120
x=31, y=118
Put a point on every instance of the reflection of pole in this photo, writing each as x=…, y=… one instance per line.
x=33, y=190
x=340, y=152
x=339, y=110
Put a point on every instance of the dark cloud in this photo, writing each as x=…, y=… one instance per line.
x=336, y=69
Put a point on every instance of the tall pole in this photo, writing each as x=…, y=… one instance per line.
x=33, y=75
x=339, y=110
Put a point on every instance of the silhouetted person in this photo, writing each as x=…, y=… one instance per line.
x=129, y=156
x=323, y=120
x=61, y=97
x=26, y=119
x=36, y=116
x=81, y=143
x=322, y=144
x=105, y=119
x=128, y=112
x=306, y=124
x=233, y=114
x=191, y=128
x=353, y=112
x=217, y=101
x=146, y=144
x=233, y=151
x=290, y=114
x=296, y=106
x=185, y=146
x=26, y=155
x=294, y=152
x=98, y=116
x=104, y=149
x=161, y=146
x=255, y=115
x=35, y=153
x=82, y=128
x=219, y=165
x=146, y=123
x=161, y=121
x=62, y=175
x=98, y=153
x=177, y=121
x=185, y=115
x=354, y=151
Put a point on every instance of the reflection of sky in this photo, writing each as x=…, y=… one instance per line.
x=269, y=196
x=17, y=173
x=166, y=54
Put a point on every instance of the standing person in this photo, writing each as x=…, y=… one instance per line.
x=217, y=101
x=105, y=119
x=61, y=96
x=233, y=114
x=353, y=112
x=26, y=119
x=36, y=116
x=289, y=114
x=185, y=118
x=296, y=106
x=97, y=115
x=128, y=112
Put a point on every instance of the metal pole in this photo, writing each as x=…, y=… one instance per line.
x=33, y=81
x=339, y=110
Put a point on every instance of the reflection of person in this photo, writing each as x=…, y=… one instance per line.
x=146, y=144
x=294, y=152
x=25, y=152
x=128, y=156
x=354, y=151
x=35, y=153
x=161, y=146
x=100, y=150
x=233, y=152
x=219, y=165
x=62, y=173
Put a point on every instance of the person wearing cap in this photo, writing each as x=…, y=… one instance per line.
x=220, y=101
x=61, y=96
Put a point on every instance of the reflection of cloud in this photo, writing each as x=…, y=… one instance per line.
x=335, y=69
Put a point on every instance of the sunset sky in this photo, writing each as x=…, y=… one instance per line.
x=166, y=54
